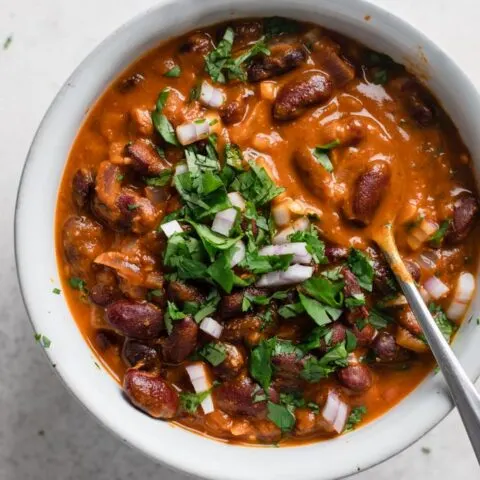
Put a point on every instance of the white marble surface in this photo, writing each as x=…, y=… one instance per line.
x=44, y=432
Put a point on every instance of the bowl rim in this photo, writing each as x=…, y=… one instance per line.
x=22, y=270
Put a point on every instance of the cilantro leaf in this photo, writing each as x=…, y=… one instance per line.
x=320, y=154
x=361, y=267
x=291, y=310
x=321, y=314
x=208, y=307
x=314, y=369
x=256, y=186
x=77, y=284
x=172, y=314
x=191, y=401
x=356, y=416
x=315, y=246
x=160, y=180
x=443, y=323
x=356, y=300
x=260, y=364
x=233, y=156
x=214, y=353
x=221, y=272
x=325, y=291
x=378, y=319
x=174, y=72
x=281, y=415
x=437, y=238
x=164, y=127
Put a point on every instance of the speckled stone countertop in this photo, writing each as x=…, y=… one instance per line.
x=44, y=432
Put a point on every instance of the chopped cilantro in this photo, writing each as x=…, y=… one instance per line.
x=315, y=246
x=378, y=319
x=281, y=415
x=380, y=77
x=443, y=323
x=324, y=290
x=356, y=300
x=291, y=310
x=161, y=180
x=56, y=291
x=277, y=25
x=361, y=267
x=172, y=314
x=8, y=41
x=437, y=238
x=221, y=272
x=132, y=206
x=174, y=72
x=233, y=156
x=316, y=369
x=160, y=121
x=321, y=154
x=356, y=416
x=43, y=340
x=191, y=401
x=214, y=353
x=120, y=177
x=77, y=283
x=321, y=314
x=260, y=366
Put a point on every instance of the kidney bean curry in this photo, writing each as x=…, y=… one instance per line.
x=213, y=231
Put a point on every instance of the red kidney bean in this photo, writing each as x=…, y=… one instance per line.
x=145, y=158
x=287, y=370
x=236, y=396
x=309, y=89
x=250, y=328
x=105, y=339
x=283, y=57
x=369, y=189
x=83, y=183
x=356, y=377
x=151, y=393
x=464, y=216
x=414, y=269
x=197, y=42
x=233, y=363
x=135, y=353
x=233, y=112
x=83, y=240
x=129, y=83
x=364, y=336
x=335, y=254
x=337, y=335
x=407, y=320
x=231, y=305
x=181, y=342
x=385, y=346
x=104, y=295
x=246, y=32
x=135, y=319
x=180, y=292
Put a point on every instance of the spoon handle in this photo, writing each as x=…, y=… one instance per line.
x=461, y=388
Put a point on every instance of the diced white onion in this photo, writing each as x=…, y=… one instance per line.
x=181, y=168
x=212, y=327
x=191, y=132
x=425, y=295
x=436, y=288
x=335, y=412
x=292, y=275
x=239, y=254
x=224, y=220
x=237, y=200
x=461, y=297
x=298, y=249
x=201, y=383
x=421, y=233
x=170, y=228
x=211, y=96
x=281, y=214
x=299, y=225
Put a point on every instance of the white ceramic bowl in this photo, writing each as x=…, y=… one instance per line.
x=37, y=266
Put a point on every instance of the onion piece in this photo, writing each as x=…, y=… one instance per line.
x=191, y=132
x=421, y=233
x=212, y=327
x=436, y=288
x=335, y=412
x=181, y=168
x=292, y=275
x=224, y=221
x=239, y=254
x=211, y=96
x=170, y=228
x=237, y=200
x=461, y=297
x=299, y=225
x=298, y=249
x=201, y=383
x=281, y=214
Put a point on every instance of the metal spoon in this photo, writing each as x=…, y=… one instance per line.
x=461, y=388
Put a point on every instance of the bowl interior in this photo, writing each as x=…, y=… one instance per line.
x=34, y=232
